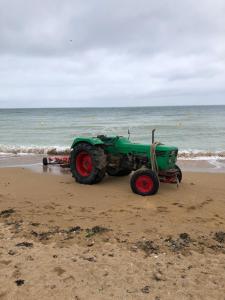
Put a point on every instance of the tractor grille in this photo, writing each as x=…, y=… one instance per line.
x=173, y=153
x=161, y=153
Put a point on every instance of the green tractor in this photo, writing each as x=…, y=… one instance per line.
x=92, y=157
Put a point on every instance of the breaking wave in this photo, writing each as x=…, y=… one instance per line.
x=201, y=155
x=60, y=150
x=24, y=150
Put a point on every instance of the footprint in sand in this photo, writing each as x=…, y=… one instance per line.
x=5, y=262
x=16, y=273
x=28, y=202
x=177, y=204
x=49, y=207
x=190, y=208
x=201, y=205
x=137, y=208
x=207, y=201
x=55, y=204
x=217, y=216
x=59, y=271
x=35, y=224
x=87, y=209
x=162, y=209
x=3, y=295
x=69, y=279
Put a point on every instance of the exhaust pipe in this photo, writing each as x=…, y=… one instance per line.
x=153, y=136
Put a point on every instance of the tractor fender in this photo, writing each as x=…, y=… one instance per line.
x=91, y=141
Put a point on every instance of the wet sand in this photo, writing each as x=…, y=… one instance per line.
x=63, y=240
x=34, y=162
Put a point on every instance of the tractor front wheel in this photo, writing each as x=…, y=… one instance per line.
x=179, y=173
x=144, y=182
x=88, y=163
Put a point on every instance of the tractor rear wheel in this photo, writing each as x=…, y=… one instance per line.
x=144, y=182
x=179, y=173
x=88, y=163
x=117, y=172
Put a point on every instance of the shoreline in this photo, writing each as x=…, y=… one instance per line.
x=34, y=162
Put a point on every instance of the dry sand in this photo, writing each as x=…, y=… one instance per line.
x=62, y=240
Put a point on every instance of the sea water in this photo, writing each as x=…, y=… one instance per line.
x=196, y=130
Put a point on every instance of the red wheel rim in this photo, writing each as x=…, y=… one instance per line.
x=84, y=164
x=144, y=184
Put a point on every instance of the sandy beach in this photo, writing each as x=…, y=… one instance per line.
x=63, y=240
x=101, y=103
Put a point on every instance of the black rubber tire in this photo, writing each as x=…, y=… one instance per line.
x=98, y=160
x=117, y=172
x=45, y=161
x=179, y=175
x=100, y=176
x=146, y=172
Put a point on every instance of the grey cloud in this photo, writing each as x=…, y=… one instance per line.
x=109, y=53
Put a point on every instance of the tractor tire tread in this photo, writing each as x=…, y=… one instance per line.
x=99, y=163
x=149, y=173
x=179, y=176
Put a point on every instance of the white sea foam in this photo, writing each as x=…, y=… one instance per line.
x=29, y=150
x=201, y=155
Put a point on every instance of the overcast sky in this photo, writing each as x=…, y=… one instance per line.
x=111, y=53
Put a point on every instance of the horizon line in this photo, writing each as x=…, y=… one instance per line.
x=88, y=107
